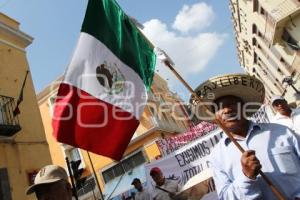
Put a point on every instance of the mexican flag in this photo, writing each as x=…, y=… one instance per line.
x=104, y=91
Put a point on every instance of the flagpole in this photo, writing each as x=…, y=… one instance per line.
x=74, y=191
x=167, y=61
x=277, y=193
x=95, y=175
x=16, y=110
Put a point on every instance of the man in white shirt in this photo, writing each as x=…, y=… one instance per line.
x=141, y=194
x=285, y=115
x=165, y=189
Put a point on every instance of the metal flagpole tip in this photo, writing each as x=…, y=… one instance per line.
x=163, y=56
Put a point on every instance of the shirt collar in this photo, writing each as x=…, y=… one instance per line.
x=252, y=127
x=280, y=116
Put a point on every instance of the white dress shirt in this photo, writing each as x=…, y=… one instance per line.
x=143, y=195
x=169, y=185
x=278, y=150
x=292, y=122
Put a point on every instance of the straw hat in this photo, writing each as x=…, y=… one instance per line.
x=248, y=88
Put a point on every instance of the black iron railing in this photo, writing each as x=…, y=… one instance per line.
x=89, y=186
x=9, y=124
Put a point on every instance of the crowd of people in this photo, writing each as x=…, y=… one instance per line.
x=272, y=148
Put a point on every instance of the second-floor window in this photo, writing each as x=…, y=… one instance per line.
x=291, y=42
x=74, y=154
x=124, y=166
x=255, y=5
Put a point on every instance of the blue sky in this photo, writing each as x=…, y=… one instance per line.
x=196, y=34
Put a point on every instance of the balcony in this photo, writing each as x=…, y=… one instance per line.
x=278, y=17
x=9, y=124
x=232, y=6
x=166, y=125
x=296, y=62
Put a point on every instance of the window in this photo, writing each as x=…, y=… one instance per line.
x=7, y=106
x=89, y=185
x=255, y=5
x=255, y=58
x=254, y=41
x=2, y=115
x=74, y=154
x=152, y=109
x=164, y=116
x=51, y=104
x=254, y=29
x=5, y=193
x=108, y=175
x=265, y=72
x=283, y=61
x=262, y=11
x=258, y=46
x=291, y=42
x=118, y=170
x=128, y=165
x=173, y=120
x=259, y=34
x=124, y=166
x=280, y=72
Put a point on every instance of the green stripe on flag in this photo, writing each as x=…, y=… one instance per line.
x=106, y=21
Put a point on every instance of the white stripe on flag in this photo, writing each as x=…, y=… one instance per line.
x=81, y=73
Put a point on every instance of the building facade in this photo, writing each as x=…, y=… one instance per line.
x=23, y=146
x=268, y=43
x=160, y=119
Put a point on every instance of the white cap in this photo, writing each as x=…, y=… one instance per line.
x=275, y=98
x=48, y=174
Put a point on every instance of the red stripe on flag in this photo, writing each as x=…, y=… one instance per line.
x=84, y=121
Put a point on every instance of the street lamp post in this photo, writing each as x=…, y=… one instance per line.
x=289, y=81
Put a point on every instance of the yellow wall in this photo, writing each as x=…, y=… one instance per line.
x=28, y=151
x=152, y=151
x=56, y=151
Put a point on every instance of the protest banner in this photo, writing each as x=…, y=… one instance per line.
x=187, y=161
x=169, y=145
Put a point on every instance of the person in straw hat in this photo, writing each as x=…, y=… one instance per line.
x=51, y=183
x=272, y=148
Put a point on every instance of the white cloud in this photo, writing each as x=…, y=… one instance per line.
x=189, y=53
x=195, y=17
